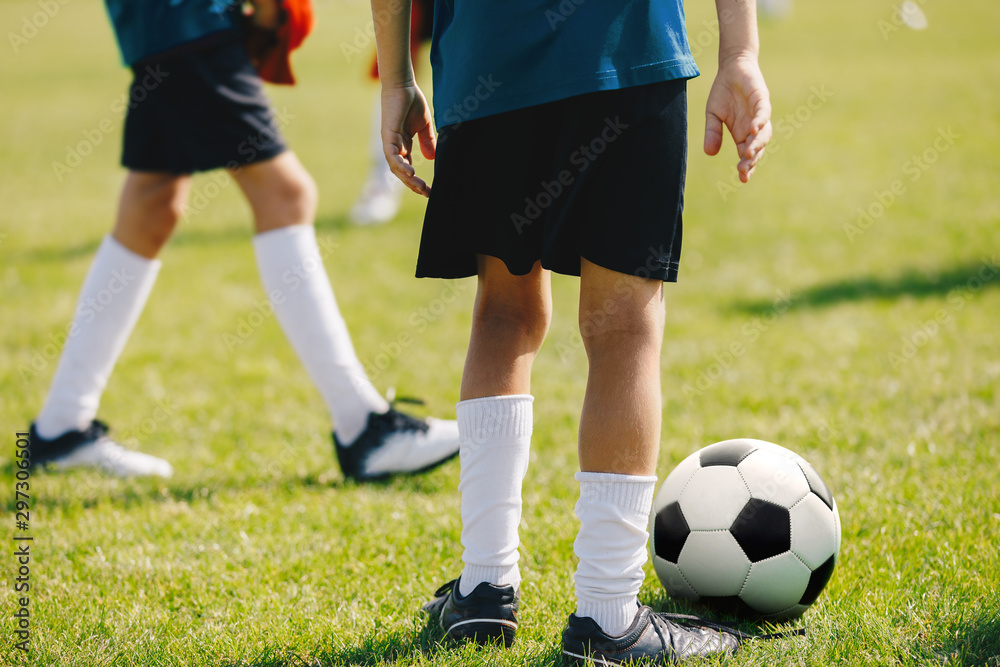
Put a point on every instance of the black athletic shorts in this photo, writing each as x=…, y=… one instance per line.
x=598, y=176
x=199, y=110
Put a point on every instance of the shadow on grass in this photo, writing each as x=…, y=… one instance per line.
x=386, y=647
x=98, y=489
x=397, y=646
x=734, y=618
x=973, y=641
x=430, y=645
x=337, y=222
x=185, y=236
x=970, y=278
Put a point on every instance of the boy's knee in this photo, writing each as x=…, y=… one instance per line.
x=527, y=320
x=173, y=210
x=620, y=325
x=164, y=206
x=297, y=191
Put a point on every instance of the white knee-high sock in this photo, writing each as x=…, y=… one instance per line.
x=111, y=300
x=495, y=438
x=611, y=545
x=291, y=269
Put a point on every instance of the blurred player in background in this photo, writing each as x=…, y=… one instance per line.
x=774, y=8
x=382, y=192
x=197, y=104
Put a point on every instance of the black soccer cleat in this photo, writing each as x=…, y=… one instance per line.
x=395, y=443
x=487, y=615
x=92, y=448
x=652, y=639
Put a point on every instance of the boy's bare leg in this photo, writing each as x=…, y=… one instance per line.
x=149, y=209
x=621, y=323
x=510, y=319
x=283, y=197
x=113, y=295
x=509, y=323
x=280, y=191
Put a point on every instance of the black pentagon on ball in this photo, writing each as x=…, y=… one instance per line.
x=670, y=531
x=725, y=453
x=817, y=485
x=763, y=530
x=817, y=580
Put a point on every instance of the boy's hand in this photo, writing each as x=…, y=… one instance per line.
x=404, y=114
x=739, y=100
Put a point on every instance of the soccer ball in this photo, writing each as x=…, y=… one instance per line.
x=747, y=528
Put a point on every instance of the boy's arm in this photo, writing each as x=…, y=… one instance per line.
x=739, y=98
x=404, y=109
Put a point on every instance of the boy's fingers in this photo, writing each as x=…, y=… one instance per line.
x=428, y=142
x=713, y=134
x=758, y=141
x=401, y=166
x=762, y=116
x=749, y=163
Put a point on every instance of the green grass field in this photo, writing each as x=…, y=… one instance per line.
x=868, y=343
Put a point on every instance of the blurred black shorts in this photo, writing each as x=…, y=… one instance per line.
x=199, y=110
x=598, y=176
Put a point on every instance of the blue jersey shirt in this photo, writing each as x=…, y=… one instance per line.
x=146, y=28
x=492, y=56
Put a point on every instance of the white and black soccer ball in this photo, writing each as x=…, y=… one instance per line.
x=745, y=527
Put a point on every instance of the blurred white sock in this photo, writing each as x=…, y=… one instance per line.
x=611, y=545
x=296, y=283
x=110, y=302
x=494, y=443
x=379, y=166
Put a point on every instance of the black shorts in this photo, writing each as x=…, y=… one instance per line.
x=197, y=111
x=598, y=176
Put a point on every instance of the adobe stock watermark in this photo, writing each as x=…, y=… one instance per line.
x=906, y=14
x=581, y=159
x=783, y=129
x=137, y=434
x=31, y=25
x=87, y=310
x=364, y=36
x=22, y=544
x=561, y=12
x=248, y=149
x=918, y=337
x=94, y=136
x=293, y=279
x=750, y=332
x=417, y=324
x=913, y=169
x=459, y=112
x=708, y=36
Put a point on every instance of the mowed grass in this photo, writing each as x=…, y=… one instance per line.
x=867, y=344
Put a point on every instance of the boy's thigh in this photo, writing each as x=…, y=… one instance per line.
x=611, y=300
